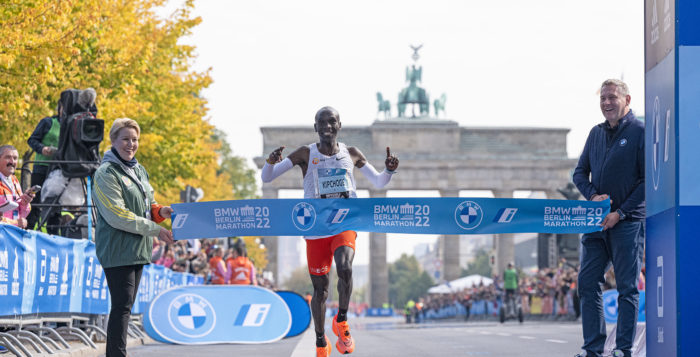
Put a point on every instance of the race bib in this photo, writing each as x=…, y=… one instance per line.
x=333, y=183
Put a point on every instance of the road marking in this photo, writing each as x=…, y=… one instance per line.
x=503, y=334
x=526, y=337
x=306, y=344
x=556, y=341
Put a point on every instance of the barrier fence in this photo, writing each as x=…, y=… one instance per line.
x=41, y=273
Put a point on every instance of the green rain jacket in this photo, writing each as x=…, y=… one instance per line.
x=125, y=231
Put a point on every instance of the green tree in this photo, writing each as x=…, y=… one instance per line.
x=407, y=280
x=479, y=265
x=299, y=281
x=140, y=69
x=239, y=174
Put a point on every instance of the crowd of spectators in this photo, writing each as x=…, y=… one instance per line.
x=549, y=292
x=193, y=256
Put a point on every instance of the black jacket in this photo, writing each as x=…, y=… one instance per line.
x=612, y=163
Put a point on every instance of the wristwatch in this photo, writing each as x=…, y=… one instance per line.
x=622, y=214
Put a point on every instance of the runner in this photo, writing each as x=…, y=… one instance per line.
x=330, y=161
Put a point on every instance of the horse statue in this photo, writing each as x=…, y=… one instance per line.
x=413, y=94
x=384, y=106
x=439, y=105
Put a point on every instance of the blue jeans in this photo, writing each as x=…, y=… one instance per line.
x=623, y=245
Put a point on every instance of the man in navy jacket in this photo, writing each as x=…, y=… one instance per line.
x=612, y=166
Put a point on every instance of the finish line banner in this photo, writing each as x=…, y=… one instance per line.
x=444, y=215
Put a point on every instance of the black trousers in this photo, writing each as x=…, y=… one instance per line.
x=123, y=283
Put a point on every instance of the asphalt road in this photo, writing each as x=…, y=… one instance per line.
x=392, y=337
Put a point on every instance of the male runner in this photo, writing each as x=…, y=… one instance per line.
x=330, y=159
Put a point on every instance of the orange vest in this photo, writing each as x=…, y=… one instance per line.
x=216, y=277
x=240, y=270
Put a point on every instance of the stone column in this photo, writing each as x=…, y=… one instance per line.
x=450, y=244
x=378, y=270
x=505, y=242
x=271, y=243
x=552, y=246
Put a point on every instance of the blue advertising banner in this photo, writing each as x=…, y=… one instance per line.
x=673, y=195
x=688, y=185
x=218, y=314
x=380, y=311
x=41, y=273
x=610, y=306
x=660, y=137
x=301, y=312
x=446, y=215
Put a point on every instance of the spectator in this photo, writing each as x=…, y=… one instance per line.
x=168, y=257
x=14, y=205
x=240, y=269
x=127, y=220
x=611, y=166
x=218, y=267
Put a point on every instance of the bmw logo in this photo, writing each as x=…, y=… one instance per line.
x=623, y=142
x=303, y=216
x=610, y=306
x=468, y=215
x=191, y=315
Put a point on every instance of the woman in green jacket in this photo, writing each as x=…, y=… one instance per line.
x=127, y=221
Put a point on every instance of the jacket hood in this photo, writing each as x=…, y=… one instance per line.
x=111, y=157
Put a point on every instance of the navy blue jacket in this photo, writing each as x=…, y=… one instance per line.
x=615, y=165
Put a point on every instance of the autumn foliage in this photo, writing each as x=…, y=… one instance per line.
x=132, y=57
x=131, y=54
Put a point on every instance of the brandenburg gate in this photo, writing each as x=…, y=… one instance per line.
x=436, y=154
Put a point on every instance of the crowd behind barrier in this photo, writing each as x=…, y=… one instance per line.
x=549, y=293
x=193, y=256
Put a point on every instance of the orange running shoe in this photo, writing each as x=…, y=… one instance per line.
x=345, y=343
x=324, y=351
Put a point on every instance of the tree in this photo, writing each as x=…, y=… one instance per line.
x=240, y=175
x=479, y=265
x=299, y=281
x=256, y=253
x=139, y=68
x=407, y=281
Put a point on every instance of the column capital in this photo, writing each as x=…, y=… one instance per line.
x=270, y=192
x=377, y=193
x=449, y=193
x=553, y=195
x=503, y=193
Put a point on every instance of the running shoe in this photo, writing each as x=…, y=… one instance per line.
x=324, y=351
x=345, y=343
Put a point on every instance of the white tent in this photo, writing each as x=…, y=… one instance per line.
x=461, y=283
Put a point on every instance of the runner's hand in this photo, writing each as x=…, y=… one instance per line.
x=275, y=156
x=391, y=162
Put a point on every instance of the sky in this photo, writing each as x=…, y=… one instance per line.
x=501, y=63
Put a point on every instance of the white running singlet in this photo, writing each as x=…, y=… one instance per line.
x=329, y=176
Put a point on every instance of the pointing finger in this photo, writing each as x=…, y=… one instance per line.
x=388, y=152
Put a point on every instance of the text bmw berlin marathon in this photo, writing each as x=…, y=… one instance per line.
x=572, y=216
